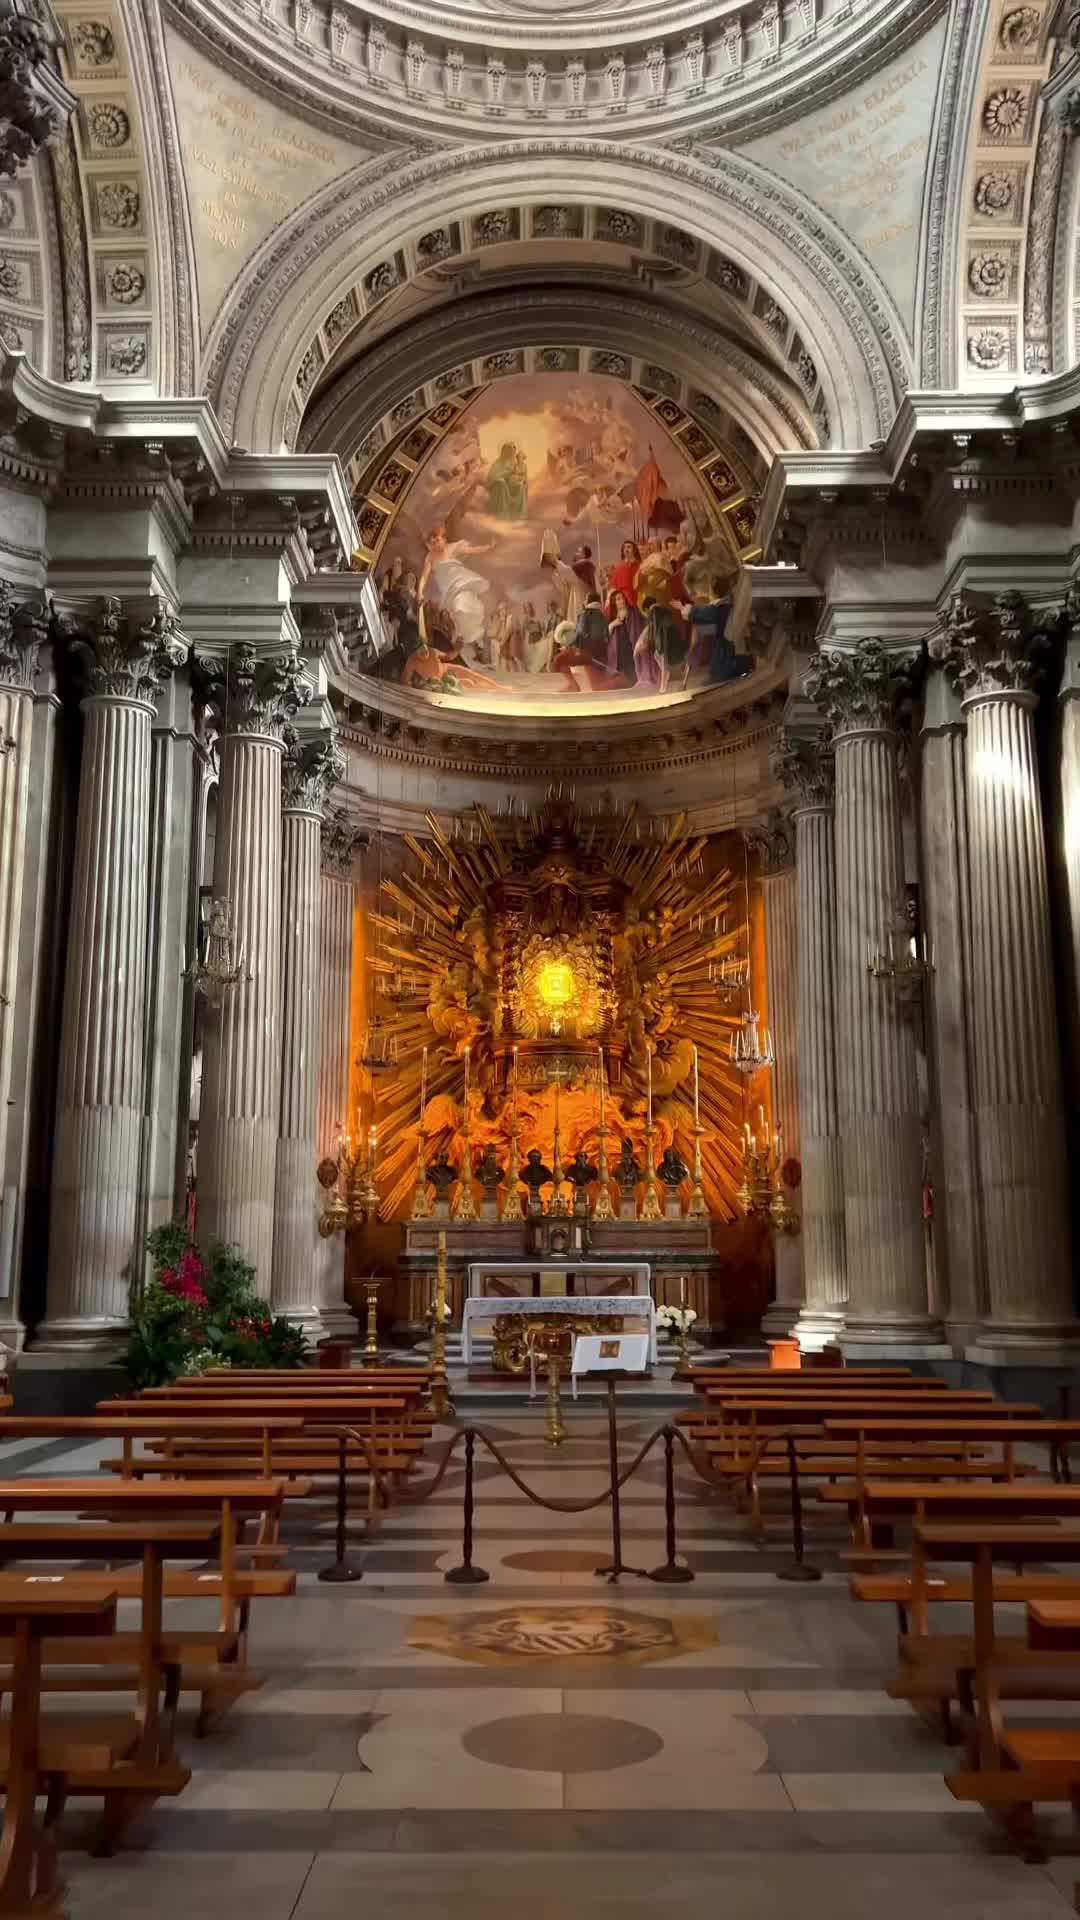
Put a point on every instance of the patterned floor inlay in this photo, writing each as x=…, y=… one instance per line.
x=562, y=1742
x=514, y=1635
x=557, y=1560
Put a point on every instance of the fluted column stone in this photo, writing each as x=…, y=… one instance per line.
x=946, y=901
x=100, y=1100
x=340, y=839
x=774, y=843
x=807, y=766
x=879, y=1102
x=241, y=1091
x=991, y=653
x=1067, y=847
x=24, y=625
x=309, y=769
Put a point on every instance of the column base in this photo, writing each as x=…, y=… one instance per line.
x=66, y=1381
x=1007, y=1344
x=779, y=1319
x=818, y=1327
x=316, y=1321
x=99, y=1340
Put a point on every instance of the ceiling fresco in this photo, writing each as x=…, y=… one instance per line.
x=556, y=546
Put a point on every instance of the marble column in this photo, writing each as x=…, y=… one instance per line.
x=806, y=766
x=340, y=840
x=991, y=655
x=24, y=624
x=1067, y=875
x=241, y=1090
x=309, y=769
x=947, y=917
x=93, y=1255
x=879, y=1101
x=774, y=844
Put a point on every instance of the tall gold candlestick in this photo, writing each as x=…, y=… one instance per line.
x=420, y=1207
x=464, y=1207
x=698, y=1209
x=650, y=1206
x=441, y=1405
x=603, y=1208
x=557, y=1204
x=512, y=1208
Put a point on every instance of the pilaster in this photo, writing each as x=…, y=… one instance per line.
x=806, y=766
x=341, y=837
x=774, y=843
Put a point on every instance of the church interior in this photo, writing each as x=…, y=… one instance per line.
x=539, y=958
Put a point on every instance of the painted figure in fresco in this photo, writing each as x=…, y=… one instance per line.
x=650, y=662
x=622, y=577
x=461, y=591
x=431, y=672
x=624, y=633
x=673, y=1169
x=508, y=484
x=628, y=1168
x=573, y=586
x=710, y=648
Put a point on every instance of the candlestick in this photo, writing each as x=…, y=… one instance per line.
x=441, y=1406
x=649, y=1083
x=602, y=1205
x=697, y=1093
x=511, y=1207
x=420, y=1193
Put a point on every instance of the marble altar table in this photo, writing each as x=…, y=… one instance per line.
x=629, y=1306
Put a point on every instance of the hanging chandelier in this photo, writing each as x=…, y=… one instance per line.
x=751, y=1052
x=218, y=965
x=762, y=1196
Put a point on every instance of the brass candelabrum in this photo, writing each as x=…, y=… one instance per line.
x=440, y=1405
x=761, y=1195
x=464, y=1207
x=698, y=1209
x=349, y=1181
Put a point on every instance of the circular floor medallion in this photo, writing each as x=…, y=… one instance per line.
x=561, y=1742
x=557, y=1560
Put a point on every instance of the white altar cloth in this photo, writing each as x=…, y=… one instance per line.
x=635, y=1306
x=583, y=1269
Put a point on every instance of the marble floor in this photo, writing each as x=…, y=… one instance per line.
x=546, y=1745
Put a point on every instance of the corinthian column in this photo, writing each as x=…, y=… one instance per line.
x=806, y=765
x=340, y=840
x=99, y=1120
x=879, y=1102
x=1019, y=1112
x=241, y=1092
x=23, y=631
x=309, y=769
x=775, y=846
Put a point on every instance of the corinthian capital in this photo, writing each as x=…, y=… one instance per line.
x=256, y=694
x=125, y=658
x=991, y=649
x=309, y=769
x=806, y=766
x=859, y=688
x=772, y=841
x=341, y=838
x=24, y=629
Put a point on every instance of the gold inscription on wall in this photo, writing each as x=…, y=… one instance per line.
x=247, y=166
x=864, y=160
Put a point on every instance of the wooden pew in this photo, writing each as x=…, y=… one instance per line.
x=39, y=1754
x=167, y=1427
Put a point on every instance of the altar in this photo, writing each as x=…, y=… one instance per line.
x=485, y=1310
x=505, y=1279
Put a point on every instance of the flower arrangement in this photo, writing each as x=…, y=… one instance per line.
x=201, y=1310
x=675, y=1320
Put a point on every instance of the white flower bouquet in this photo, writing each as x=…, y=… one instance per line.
x=675, y=1320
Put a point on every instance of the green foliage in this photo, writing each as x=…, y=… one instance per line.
x=203, y=1311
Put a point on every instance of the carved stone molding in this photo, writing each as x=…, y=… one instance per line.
x=255, y=694
x=126, y=655
x=806, y=765
x=996, y=648
x=340, y=841
x=859, y=689
x=309, y=771
x=24, y=629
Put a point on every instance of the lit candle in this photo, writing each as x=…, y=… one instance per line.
x=423, y=1087
x=697, y=1094
x=515, y=1072
x=600, y=1051
x=649, y=1056
x=682, y=1290
x=466, y=1076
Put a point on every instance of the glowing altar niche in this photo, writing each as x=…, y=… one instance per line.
x=530, y=951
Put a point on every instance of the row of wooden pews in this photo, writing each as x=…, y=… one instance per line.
x=190, y=1507
x=953, y=1500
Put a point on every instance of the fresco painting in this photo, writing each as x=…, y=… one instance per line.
x=556, y=544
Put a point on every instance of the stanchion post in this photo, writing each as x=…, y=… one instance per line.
x=671, y=1573
x=798, y=1568
x=340, y=1571
x=616, y=1565
x=467, y=1575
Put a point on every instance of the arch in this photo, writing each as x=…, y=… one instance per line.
x=794, y=251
